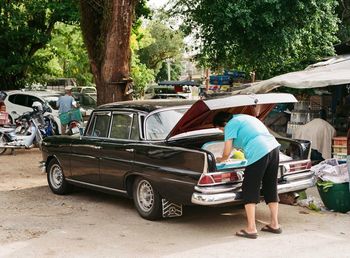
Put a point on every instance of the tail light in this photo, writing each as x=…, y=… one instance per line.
x=220, y=178
x=2, y=106
x=73, y=124
x=297, y=166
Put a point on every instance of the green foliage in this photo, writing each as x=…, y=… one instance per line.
x=26, y=27
x=269, y=36
x=151, y=46
x=140, y=73
x=167, y=44
x=142, y=76
x=175, y=71
x=67, y=57
x=343, y=11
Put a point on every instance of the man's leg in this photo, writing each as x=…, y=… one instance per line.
x=250, y=212
x=63, y=129
x=269, y=187
x=253, y=175
x=273, y=206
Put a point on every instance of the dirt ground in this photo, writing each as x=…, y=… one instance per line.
x=36, y=223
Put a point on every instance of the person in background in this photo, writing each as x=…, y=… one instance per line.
x=261, y=150
x=65, y=104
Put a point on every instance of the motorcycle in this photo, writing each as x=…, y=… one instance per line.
x=30, y=129
x=73, y=119
x=74, y=128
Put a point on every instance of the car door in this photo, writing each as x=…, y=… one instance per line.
x=86, y=150
x=117, y=152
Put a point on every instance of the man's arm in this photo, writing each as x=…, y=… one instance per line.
x=74, y=103
x=227, y=151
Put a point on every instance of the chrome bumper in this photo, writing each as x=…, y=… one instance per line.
x=225, y=194
x=42, y=166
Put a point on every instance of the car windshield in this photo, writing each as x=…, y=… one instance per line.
x=159, y=125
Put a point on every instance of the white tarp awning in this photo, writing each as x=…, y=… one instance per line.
x=335, y=71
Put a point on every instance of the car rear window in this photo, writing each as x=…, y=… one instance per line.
x=159, y=125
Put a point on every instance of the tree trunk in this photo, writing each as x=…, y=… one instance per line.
x=106, y=26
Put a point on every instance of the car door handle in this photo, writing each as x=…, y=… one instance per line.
x=129, y=150
x=97, y=147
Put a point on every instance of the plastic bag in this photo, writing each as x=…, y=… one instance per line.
x=330, y=170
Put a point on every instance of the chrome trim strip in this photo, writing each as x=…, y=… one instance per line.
x=296, y=176
x=96, y=186
x=217, y=189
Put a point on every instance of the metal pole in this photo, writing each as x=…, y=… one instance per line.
x=168, y=63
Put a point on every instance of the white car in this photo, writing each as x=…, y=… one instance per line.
x=84, y=89
x=17, y=102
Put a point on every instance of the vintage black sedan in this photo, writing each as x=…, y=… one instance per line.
x=161, y=154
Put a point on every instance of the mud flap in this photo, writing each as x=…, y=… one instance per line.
x=170, y=209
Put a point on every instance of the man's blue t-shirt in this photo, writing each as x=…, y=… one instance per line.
x=65, y=103
x=250, y=135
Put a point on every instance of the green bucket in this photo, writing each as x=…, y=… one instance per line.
x=336, y=198
x=74, y=114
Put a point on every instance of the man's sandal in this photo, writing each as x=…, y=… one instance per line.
x=243, y=233
x=268, y=228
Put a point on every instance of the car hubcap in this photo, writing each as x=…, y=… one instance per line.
x=145, y=195
x=56, y=176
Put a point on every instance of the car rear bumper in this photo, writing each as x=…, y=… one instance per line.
x=217, y=195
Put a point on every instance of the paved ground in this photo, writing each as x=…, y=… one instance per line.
x=36, y=223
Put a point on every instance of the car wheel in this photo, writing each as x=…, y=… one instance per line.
x=56, y=179
x=146, y=199
x=3, y=141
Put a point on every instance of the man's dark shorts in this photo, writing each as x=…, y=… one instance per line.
x=262, y=173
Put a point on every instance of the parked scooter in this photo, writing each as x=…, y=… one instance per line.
x=74, y=128
x=74, y=120
x=31, y=128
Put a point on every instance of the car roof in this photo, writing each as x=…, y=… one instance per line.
x=146, y=105
x=36, y=93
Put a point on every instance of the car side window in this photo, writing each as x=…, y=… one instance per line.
x=99, y=126
x=121, y=126
x=18, y=99
x=32, y=99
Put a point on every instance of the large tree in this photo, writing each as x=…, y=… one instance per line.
x=106, y=27
x=167, y=44
x=268, y=36
x=26, y=27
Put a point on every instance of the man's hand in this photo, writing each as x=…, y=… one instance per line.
x=220, y=159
